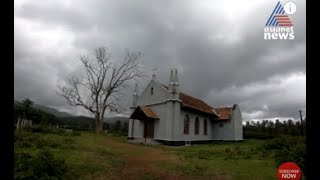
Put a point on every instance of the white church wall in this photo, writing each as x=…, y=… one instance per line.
x=232, y=129
x=161, y=125
x=130, y=128
x=170, y=125
x=223, y=130
x=238, y=127
x=138, y=129
x=176, y=120
x=159, y=94
x=192, y=136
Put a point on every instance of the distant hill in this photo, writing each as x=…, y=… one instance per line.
x=64, y=116
x=51, y=111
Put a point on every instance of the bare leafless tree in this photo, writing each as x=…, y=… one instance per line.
x=104, y=81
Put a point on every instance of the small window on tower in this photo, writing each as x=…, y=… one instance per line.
x=152, y=91
x=221, y=125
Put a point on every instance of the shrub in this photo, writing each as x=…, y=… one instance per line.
x=189, y=155
x=24, y=139
x=76, y=133
x=230, y=155
x=264, y=154
x=119, y=133
x=68, y=140
x=238, y=150
x=253, y=150
x=256, y=135
x=204, y=154
x=296, y=154
x=247, y=156
x=287, y=148
x=42, y=165
x=38, y=128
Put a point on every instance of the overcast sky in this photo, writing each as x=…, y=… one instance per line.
x=217, y=47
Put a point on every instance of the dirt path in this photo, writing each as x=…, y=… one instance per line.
x=141, y=162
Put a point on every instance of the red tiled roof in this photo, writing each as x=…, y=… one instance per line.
x=224, y=113
x=147, y=111
x=194, y=103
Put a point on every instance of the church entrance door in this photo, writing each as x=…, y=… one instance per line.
x=149, y=128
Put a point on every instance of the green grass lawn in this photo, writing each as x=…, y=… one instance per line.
x=238, y=160
x=92, y=156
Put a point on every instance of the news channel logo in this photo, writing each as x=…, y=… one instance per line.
x=279, y=25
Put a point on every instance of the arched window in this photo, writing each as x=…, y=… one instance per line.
x=186, y=124
x=196, y=126
x=152, y=91
x=205, y=129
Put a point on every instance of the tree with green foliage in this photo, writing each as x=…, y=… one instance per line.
x=23, y=113
x=27, y=103
x=269, y=129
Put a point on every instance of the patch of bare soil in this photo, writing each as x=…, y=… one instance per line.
x=142, y=165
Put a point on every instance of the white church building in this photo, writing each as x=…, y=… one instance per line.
x=166, y=115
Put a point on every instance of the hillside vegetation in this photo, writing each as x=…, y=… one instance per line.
x=40, y=114
x=67, y=148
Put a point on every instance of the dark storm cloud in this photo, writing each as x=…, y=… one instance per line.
x=218, y=49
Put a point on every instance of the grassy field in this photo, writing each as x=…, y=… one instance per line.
x=92, y=156
x=234, y=160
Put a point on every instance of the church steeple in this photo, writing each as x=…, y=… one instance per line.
x=176, y=76
x=135, y=95
x=174, y=83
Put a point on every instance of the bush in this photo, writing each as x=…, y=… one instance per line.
x=119, y=133
x=42, y=165
x=230, y=155
x=51, y=130
x=44, y=129
x=204, y=154
x=37, y=129
x=248, y=156
x=238, y=150
x=256, y=135
x=24, y=139
x=264, y=154
x=296, y=154
x=76, y=133
x=288, y=148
